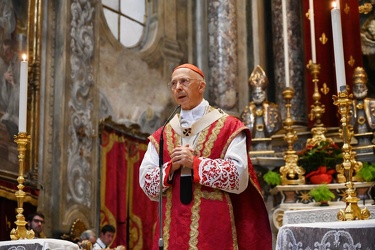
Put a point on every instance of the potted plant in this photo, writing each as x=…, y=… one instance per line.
x=322, y=194
x=367, y=172
x=319, y=161
x=272, y=178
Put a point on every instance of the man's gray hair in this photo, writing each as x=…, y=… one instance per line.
x=86, y=235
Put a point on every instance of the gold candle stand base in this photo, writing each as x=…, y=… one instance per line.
x=349, y=165
x=352, y=210
x=318, y=136
x=21, y=232
x=290, y=173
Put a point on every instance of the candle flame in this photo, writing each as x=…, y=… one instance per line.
x=334, y=5
x=24, y=57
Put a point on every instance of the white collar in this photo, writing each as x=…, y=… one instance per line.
x=194, y=114
x=100, y=243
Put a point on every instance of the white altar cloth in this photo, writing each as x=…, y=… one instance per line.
x=319, y=214
x=358, y=234
x=38, y=244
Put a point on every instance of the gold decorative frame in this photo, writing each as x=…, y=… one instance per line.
x=28, y=28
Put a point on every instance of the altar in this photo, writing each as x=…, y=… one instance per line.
x=322, y=235
x=293, y=204
x=38, y=244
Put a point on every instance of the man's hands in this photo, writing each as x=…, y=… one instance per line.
x=9, y=77
x=182, y=156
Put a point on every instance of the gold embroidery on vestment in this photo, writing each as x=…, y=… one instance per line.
x=154, y=142
x=201, y=139
x=233, y=225
x=167, y=222
x=213, y=136
x=230, y=139
x=170, y=143
x=195, y=209
x=216, y=194
x=200, y=142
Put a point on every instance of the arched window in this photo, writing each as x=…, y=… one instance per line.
x=126, y=19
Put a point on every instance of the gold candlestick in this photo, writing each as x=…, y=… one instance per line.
x=351, y=211
x=290, y=173
x=317, y=109
x=21, y=232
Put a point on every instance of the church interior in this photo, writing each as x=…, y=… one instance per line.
x=299, y=74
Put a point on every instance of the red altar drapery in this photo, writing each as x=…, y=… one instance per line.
x=123, y=203
x=325, y=51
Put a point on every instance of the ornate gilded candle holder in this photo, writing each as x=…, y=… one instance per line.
x=352, y=211
x=21, y=232
x=290, y=173
x=317, y=109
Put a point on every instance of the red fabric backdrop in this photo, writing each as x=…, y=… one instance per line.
x=123, y=203
x=325, y=52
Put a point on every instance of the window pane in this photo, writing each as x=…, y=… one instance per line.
x=112, y=21
x=134, y=9
x=125, y=19
x=113, y=4
x=130, y=33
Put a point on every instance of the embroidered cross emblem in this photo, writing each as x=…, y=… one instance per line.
x=187, y=131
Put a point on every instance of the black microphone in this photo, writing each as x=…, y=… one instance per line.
x=161, y=162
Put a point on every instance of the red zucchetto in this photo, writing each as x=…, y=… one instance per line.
x=190, y=66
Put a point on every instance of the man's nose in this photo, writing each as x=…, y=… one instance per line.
x=179, y=85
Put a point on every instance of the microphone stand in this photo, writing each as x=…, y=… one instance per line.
x=161, y=162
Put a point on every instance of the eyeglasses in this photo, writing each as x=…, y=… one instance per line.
x=183, y=81
x=38, y=221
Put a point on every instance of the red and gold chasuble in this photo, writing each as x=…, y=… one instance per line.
x=215, y=219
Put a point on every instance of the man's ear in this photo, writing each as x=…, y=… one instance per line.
x=202, y=86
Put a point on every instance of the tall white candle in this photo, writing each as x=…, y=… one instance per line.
x=312, y=30
x=338, y=4
x=23, y=95
x=338, y=50
x=285, y=34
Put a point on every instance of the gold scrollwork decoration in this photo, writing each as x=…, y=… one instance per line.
x=347, y=8
x=351, y=61
x=323, y=38
x=325, y=89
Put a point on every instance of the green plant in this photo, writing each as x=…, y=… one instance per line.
x=321, y=193
x=367, y=171
x=272, y=178
x=325, y=153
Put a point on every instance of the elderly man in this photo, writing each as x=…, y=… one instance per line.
x=211, y=197
x=87, y=236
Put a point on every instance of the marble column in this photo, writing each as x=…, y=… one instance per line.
x=222, y=55
x=296, y=65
